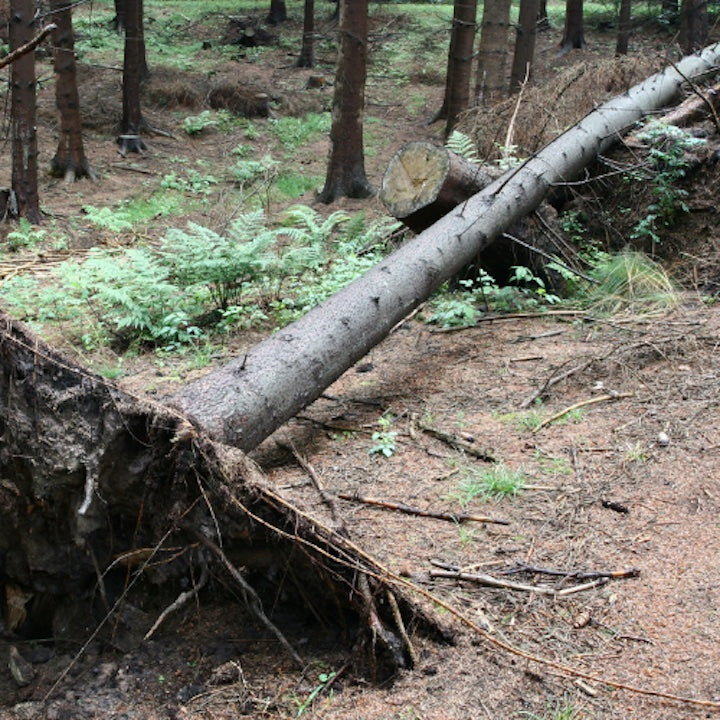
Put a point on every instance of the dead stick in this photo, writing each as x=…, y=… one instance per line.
x=576, y=574
x=251, y=598
x=459, y=444
x=554, y=381
x=408, y=510
x=28, y=46
x=490, y=581
x=582, y=403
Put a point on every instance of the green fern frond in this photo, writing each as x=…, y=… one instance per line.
x=461, y=144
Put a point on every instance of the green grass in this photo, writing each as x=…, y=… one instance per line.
x=630, y=282
x=493, y=483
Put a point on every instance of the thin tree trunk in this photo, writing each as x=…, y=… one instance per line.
x=624, y=20
x=69, y=161
x=461, y=59
x=132, y=122
x=693, y=25
x=243, y=402
x=22, y=111
x=492, y=52
x=574, y=36
x=346, y=166
x=542, y=19
x=524, y=43
x=307, y=52
x=120, y=15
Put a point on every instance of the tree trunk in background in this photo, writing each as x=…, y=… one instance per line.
x=132, y=122
x=277, y=13
x=250, y=397
x=624, y=19
x=524, y=43
x=542, y=19
x=307, y=52
x=69, y=161
x=493, y=52
x=346, y=166
x=22, y=111
x=120, y=15
x=574, y=36
x=462, y=43
x=693, y=25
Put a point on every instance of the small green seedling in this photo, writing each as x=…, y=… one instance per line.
x=384, y=438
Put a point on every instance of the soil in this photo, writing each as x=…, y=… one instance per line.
x=625, y=484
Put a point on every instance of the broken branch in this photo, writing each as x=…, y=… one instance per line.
x=408, y=510
x=577, y=405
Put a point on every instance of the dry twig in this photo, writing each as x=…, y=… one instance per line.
x=408, y=510
x=577, y=405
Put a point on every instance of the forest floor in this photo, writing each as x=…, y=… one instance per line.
x=626, y=481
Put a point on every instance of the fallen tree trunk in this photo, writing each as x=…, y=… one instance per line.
x=245, y=401
x=424, y=182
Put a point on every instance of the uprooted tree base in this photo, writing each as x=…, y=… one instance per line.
x=101, y=492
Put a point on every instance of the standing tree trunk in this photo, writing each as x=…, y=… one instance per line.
x=524, y=43
x=307, y=52
x=346, y=166
x=492, y=53
x=69, y=161
x=574, y=36
x=693, y=25
x=132, y=122
x=277, y=13
x=22, y=111
x=460, y=61
x=624, y=20
x=243, y=402
x=120, y=15
x=542, y=18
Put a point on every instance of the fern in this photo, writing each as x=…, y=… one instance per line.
x=462, y=145
x=113, y=220
x=222, y=264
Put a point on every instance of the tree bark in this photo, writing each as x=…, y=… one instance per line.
x=693, y=25
x=307, y=51
x=277, y=13
x=460, y=61
x=242, y=403
x=524, y=44
x=492, y=52
x=346, y=165
x=69, y=161
x=120, y=15
x=624, y=20
x=22, y=111
x=132, y=122
x=574, y=35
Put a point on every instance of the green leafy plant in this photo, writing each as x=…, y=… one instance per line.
x=667, y=157
x=293, y=132
x=384, y=438
x=461, y=144
x=222, y=264
x=196, y=124
x=26, y=235
x=132, y=295
x=323, y=680
x=115, y=220
x=193, y=183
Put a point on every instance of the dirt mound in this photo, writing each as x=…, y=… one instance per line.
x=548, y=108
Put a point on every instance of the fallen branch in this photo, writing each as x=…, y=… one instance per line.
x=11, y=57
x=578, y=405
x=575, y=574
x=490, y=581
x=408, y=510
x=459, y=444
